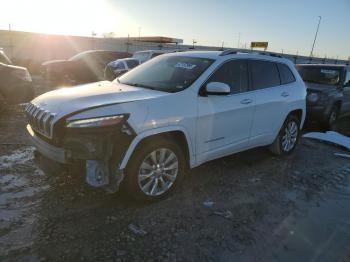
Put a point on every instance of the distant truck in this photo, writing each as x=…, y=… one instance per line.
x=15, y=83
x=85, y=67
x=328, y=92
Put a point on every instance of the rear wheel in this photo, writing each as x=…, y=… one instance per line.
x=154, y=170
x=287, y=138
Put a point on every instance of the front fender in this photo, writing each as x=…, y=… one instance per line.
x=156, y=131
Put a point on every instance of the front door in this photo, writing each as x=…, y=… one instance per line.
x=224, y=121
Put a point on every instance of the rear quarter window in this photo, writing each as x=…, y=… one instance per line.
x=286, y=74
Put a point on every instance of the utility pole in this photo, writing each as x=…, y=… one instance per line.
x=222, y=46
x=139, y=34
x=318, y=27
x=239, y=39
x=93, y=34
x=193, y=42
x=10, y=41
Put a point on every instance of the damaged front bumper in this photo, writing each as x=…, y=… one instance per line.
x=102, y=152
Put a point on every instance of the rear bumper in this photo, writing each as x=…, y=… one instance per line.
x=50, y=151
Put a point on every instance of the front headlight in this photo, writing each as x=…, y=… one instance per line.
x=313, y=97
x=96, y=122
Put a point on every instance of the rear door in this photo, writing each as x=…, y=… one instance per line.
x=224, y=121
x=270, y=101
x=346, y=90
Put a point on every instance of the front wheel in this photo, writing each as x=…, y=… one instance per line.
x=154, y=170
x=287, y=138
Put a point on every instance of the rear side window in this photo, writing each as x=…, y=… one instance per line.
x=285, y=74
x=233, y=73
x=264, y=74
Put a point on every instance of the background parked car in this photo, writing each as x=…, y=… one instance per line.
x=119, y=67
x=328, y=88
x=15, y=82
x=144, y=56
x=82, y=68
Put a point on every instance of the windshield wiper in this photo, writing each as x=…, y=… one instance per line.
x=139, y=85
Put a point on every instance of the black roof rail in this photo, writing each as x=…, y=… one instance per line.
x=234, y=52
x=270, y=54
x=228, y=52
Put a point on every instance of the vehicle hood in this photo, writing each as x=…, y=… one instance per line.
x=319, y=87
x=66, y=101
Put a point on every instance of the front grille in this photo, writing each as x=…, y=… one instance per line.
x=40, y=119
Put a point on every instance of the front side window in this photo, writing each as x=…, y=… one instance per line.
x=285, y=74
x=233, y=73
x=264, y=74
x=167, y=73
x=320, y=75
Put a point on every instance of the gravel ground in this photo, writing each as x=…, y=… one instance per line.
x=250, y=206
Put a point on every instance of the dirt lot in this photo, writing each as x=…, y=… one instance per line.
x=247, y=207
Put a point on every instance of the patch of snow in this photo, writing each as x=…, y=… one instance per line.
x=332, y=137
x=18, y=157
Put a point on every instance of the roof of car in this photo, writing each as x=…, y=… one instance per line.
x=217, y=54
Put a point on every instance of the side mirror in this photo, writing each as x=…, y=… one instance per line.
x=217, y=88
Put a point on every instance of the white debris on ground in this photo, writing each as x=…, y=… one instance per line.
x=137, y=230
x=332, y=137
x=17, y=157
x=342, y=155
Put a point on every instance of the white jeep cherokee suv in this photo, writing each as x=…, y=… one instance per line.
x=175, y=111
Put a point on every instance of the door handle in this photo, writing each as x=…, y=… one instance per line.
x=246, y=101
x=285, y=94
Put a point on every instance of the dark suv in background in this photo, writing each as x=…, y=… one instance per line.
x=15, y=83
x=84, y=67
x=328, y=91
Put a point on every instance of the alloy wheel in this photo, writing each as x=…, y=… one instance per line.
x=290, y=136
x=158, y=172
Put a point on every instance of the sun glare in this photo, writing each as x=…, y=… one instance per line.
x=67, y=17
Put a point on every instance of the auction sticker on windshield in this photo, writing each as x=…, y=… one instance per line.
x=185, y=65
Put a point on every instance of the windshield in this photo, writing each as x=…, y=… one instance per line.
x=320, y=75
x=167, y=73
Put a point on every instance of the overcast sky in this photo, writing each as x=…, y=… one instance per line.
x=288, y=25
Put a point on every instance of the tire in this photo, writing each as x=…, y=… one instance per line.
x=290, y=131
x=145, y=172
x=332, y=118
